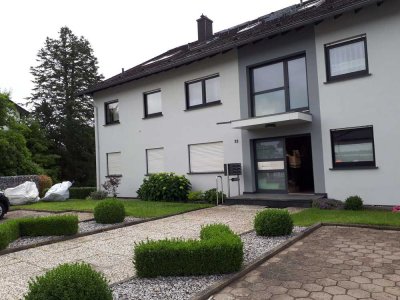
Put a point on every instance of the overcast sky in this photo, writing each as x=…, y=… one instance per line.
x=122, y=33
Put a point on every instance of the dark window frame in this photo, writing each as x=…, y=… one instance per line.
x=145, y=105
x=341, y=43
x=108, y=170
x=107, y=115
x=199, y=173
x=285, y=87
x=352, y=165
x=147, y=159
x=203, y=92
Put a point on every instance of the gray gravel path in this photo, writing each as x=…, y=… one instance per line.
x=181, y=288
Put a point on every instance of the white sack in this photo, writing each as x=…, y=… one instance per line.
x=23, y=193
x=58, y=192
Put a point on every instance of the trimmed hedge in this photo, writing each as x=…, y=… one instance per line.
x=354, y=203
x=164, y=187
x=41, y=226
x=219, y=251
x=109, y=212
x=70, y=281
x=273, y=222
x=80, y=192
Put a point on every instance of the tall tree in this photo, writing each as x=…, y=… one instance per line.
x=65, y=67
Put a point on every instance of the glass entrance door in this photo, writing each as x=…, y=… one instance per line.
x=270, y=165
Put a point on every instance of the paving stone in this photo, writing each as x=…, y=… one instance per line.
x=312, y=287
x=298, y=293
x=358, y=293
x=335, y=290
x=320, y=296
x=241, y=292
x=277, y=290
x=343, y=297
x=326, y=282
x=383, y=282
x=393, y=291
x=348, y=284
x=383, y=296
x=370, y=287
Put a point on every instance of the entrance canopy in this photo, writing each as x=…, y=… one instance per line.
x=284, y=119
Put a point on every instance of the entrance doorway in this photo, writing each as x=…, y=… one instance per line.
x=284, y=165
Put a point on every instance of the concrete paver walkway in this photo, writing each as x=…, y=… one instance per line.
x=111, y=252
x=333, y=263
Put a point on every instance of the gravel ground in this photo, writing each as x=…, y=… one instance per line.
x=86, y=226
x=181, y=288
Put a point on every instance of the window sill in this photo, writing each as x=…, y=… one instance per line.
x=214, y=103
x=110, y=124
x=354, y=168
x=204, y=173
x=152, y=116
x=117, y=175
x=347, y=77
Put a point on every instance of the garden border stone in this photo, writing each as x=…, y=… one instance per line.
x=66, y=238
x=219, y=286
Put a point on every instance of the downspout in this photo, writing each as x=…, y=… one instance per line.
x=96, y=135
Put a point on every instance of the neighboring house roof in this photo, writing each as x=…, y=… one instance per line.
x=278, y=22
x=22, y=111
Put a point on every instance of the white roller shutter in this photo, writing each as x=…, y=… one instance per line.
x=155, y=160
x=114, y=163
x=206, y=158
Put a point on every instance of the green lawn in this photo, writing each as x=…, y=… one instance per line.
x=134, y=208
x=312, y=216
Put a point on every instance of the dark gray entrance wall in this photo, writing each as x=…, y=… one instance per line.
x=269, y=50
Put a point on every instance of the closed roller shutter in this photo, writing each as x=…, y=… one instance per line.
x=205, y=158
x=114, y=163
x=155, y=160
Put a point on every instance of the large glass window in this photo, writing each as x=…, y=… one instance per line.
x=346, y=59
x=280, y=87
x=152, y=104
x=203, y=92
x=353, y=147
x=112, y=112
x=206, y=158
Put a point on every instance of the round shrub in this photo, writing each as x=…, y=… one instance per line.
x=353, y=203
x=109, y=212
x=211, y=196
x=70, y=281
x=196, y=196
x=164, y=187
x=273, y=222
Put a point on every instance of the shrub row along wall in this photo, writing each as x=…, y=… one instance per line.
x=80, y=192
x=219, y=251
x=12, y=181
x=41, y=226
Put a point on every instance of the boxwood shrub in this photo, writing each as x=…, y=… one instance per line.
x=273, y=222
x=354, y=203
x=164, y=187
x=109, y=212
x=219, y=251
x=80, y=192
x=40, y=226
x=70, y=281
x=211, y=196
x=195, y=196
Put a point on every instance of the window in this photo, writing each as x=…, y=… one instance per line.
x=346, y=59
x=206, y=158
x=112, y=112
x=114, y=163
x=155, y=160
x=152, y=104
x=353, y=147
x=203, y=92
x=280, y=87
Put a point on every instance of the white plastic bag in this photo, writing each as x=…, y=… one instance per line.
x=58, y=192
x=23, y=193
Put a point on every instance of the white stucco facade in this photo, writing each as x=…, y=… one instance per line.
x=173, y=131
x=371, y=100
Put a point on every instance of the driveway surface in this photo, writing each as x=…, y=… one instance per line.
x=111, y=252
x=338, y=263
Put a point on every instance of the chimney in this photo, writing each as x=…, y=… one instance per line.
x=204, y=28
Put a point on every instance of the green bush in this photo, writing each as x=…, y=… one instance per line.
x=98, y=195
x=327, y=204
x=211, y=196
x=80, y=192
x=353, y=203
x=219, y=251
x=109, y=212
x=195, y=196
x=47, y=226
x=273, y=222
x=9, y=232
x=39, y=226
x=70, y=281
x=45, y=182
x=164, y=187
